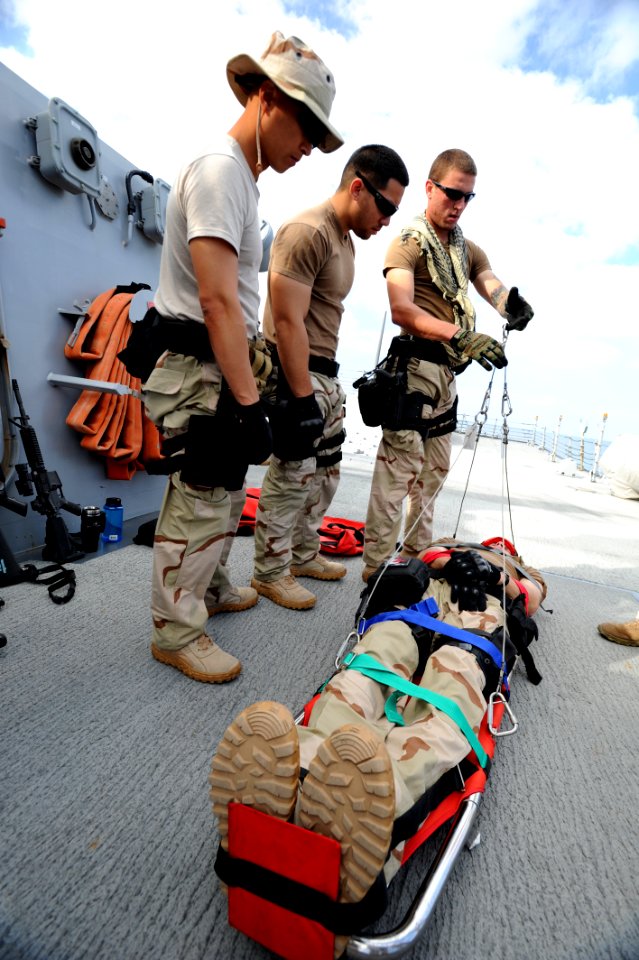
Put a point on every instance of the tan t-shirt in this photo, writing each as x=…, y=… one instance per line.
x=312, y=249
x=407, y=255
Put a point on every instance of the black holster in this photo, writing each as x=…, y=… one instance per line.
x=154, y=334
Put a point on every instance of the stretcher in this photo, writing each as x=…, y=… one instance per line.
x=283, y=880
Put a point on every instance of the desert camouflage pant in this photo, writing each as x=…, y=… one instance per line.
x=430, y=743
x=297, y=493
x=406, y=466
x=195, y=528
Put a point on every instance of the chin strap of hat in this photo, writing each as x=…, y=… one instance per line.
x=258, y=168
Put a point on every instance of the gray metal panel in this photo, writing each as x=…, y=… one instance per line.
x=50, y=258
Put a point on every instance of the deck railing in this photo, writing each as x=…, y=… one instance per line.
x=582, y=450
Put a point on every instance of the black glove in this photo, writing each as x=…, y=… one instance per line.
x=254, y=433
x=465, y=578
x=297, y=424
x=306, y=415
x=480, y=347
x=518, y=311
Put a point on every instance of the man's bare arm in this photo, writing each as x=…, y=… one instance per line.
x=400, y=285
x=216, y=271
x=290, y=302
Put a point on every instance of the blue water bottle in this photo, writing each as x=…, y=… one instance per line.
x=114, y=513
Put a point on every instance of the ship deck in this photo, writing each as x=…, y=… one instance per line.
x=108, y=838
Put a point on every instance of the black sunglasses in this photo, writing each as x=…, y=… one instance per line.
x=385, y=206
x=312, y=129
x=454, y=194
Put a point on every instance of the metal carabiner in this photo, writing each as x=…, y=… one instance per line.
x=342, y=650
x=506, y=406
x=498, y=697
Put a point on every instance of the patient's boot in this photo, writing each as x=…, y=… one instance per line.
x=349, y=795
x=257, y=764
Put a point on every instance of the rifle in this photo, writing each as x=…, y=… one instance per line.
x=33, y=477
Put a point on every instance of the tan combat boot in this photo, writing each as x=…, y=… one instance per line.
x=319, y=568
x=232, y=601
x=201, y=659
x=287, y=592
x=625, y=633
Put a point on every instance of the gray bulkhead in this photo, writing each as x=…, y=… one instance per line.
x=66, y=240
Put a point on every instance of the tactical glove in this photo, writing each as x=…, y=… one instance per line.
x=518, y=311
x=254, y=433
x=465, y=578
x=306, y=416
x=297, y=424
x=480, y=347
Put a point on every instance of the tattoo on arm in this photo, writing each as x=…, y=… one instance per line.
x=498, y=298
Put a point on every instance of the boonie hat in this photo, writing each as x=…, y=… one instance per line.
x=298, y=72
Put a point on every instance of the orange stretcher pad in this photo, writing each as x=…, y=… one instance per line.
x=283, y=880
x=112, y=426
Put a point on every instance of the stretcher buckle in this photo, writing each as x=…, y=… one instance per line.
x=497, y=697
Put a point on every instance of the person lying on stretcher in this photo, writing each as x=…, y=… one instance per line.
x=369, y=752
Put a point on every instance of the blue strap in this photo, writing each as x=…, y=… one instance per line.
x=370, y=667
x=422, y=614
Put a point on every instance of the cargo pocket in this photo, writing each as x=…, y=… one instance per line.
x=162, y=396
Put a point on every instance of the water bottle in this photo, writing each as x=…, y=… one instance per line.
x=114, y=513
x=91, y=526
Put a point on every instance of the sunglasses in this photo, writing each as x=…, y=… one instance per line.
x=453, y=194
x=312, y=129
x=385, y=206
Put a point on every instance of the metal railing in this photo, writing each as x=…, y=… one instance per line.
x=584, y=451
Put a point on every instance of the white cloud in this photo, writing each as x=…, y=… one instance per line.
x=554, y=193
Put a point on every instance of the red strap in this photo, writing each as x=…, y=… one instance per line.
x=429, y=555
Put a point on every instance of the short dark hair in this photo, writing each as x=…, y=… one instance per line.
x=377, y=162
x=452, y=159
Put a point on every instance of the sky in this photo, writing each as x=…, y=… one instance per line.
x=544, y=94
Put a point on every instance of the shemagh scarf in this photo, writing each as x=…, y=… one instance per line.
x=448, y=270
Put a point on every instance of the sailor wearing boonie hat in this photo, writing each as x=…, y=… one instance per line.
x=203, y=392
x=298, y=72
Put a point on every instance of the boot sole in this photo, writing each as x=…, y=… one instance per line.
x=349, y=794
x=624, y=641
x=299, y=572
x=289, y=604
x=163, y=656
x=257, y=763
x=231, y=607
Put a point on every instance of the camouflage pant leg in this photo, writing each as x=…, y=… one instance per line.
x=192, y=530
x=418, y=525
x=408, y=466
x=220, y=581
x=431, y=742
x=350, y=697
x=323, y=485
x=296, y=494
x=189, y=539
x=398, y=465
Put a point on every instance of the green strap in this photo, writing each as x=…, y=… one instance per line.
x=370, y=667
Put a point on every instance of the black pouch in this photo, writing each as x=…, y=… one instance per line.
x=375, y=391
x=400, y=583
x=144, y=346
x=211, y=456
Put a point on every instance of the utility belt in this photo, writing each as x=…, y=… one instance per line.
x=383, y=395
x=154, y=334
x=328, y=368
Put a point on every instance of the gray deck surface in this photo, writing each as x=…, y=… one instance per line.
x=108, y=839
